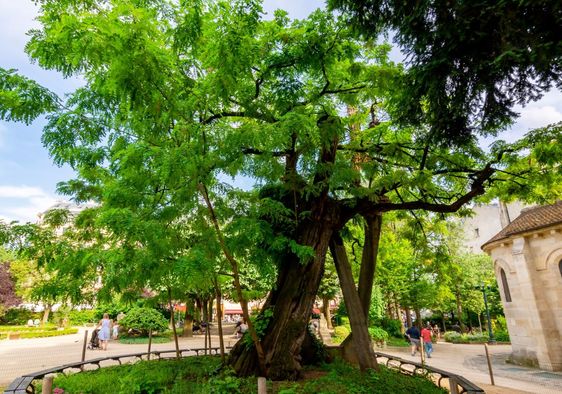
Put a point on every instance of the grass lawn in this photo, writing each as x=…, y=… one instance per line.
x=397, y=342
x=202, y=375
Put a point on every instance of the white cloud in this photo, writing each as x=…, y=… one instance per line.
x=23, y=203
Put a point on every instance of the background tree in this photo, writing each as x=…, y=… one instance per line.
x=469, y=63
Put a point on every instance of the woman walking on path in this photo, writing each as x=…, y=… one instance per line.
x=105, y=330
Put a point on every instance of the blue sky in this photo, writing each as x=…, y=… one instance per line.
x=28, y=177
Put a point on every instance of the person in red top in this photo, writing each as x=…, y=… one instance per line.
x=426, y=335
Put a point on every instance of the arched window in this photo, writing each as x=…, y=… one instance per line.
x=560, y=267
x=505, y=285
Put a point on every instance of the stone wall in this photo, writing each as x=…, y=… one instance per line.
x=534, y=315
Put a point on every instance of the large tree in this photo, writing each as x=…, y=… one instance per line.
x=178, y=96
x=470, y=61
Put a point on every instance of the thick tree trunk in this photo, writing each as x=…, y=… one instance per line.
x=361, y=340
x=326, y=310
x=366, y=273
x=291, y=300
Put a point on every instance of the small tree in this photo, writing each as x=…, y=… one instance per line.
x=142, y=320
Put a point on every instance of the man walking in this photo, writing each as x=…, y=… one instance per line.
x=413, y=335
x=427, y=344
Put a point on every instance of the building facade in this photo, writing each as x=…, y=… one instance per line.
x=527, y=256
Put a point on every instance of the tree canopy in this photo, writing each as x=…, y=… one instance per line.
x=179, y=96
x=470, y=62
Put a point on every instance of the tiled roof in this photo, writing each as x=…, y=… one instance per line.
x=531, y=219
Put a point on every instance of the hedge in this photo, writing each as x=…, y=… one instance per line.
x=455, y=337
x=46, y=327
x=44, y=334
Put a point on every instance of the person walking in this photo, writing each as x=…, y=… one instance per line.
x=413, y=335
x=104, y=334
x=427, y=344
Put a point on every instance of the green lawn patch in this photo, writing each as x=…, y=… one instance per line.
x=143, y=340
x=46, y=327
x=202, y=375
x=397, y=342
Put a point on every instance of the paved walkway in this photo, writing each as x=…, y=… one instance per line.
x=470, y=362
x=29, y=355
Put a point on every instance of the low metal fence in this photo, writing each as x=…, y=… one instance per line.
x=456, y=384
x=26, y=383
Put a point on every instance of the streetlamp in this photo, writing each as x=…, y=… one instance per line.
x=490, y=332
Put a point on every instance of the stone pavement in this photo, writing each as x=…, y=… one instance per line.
x=31, y=355
x=470, y=361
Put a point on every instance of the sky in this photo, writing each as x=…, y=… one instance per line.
x=28, y=177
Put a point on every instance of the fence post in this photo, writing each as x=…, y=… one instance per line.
x=489, y=364
x=149, y=342
x=453, y=388
x=262, y=385
x=84, y=349
x=47, y=387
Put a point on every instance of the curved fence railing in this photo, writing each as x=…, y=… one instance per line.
x=456, y=384
x=26, y=383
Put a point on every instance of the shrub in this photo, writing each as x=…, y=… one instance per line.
x=44, y=334
x=450, y=336
x=455, y=337
x=392, y=326
x=142, y=320
x=378, y=334
x=341, y=331
x=79, y=318
x=46, y=327
x=501, y=336
x=17, y=316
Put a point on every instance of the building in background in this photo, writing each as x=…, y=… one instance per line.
x=527, y=256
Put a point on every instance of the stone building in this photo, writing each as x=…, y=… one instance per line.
x=487, y=221
x=527, y=256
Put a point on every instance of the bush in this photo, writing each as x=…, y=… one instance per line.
x=46, y=327
x=392, y=326
x=455, y=337
x=44, y=334
x=142, y=320
x=450, y=336
x=378, y=334
x=501, y=336
x=341, y=331
x=17, y=316
x=79, y=318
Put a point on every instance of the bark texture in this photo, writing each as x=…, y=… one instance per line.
x=360, y=338
x=291, y=300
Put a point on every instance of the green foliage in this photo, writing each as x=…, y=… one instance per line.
x=378, y=334
x=197, y=375
x=260, y=321
x=44, y=334
x=465, y=75
x=78, y=318
x=46, y=327
x=340, y=333
x=455, y=337
x=501, y=336
x=397, y=342
x=143, y=320
x=392, y=326
x=17, y=316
